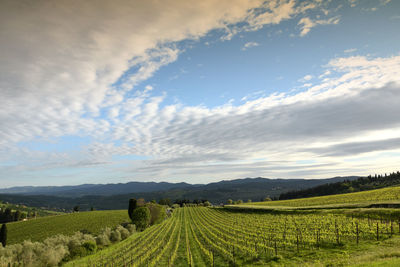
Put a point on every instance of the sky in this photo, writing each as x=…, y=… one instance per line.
x=197, y=91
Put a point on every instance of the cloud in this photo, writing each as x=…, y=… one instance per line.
x=65, y=64
x=350, y=50
x=355, y=148
x=77, y=69
x=249, y=45
x=307, y=24
x=356, y=100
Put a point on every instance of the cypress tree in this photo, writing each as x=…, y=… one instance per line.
x=3, y=235
x=132, y=206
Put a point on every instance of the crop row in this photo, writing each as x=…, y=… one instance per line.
x=216, y=237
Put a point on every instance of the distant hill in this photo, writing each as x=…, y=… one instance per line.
x=93, y=189
x=117, y=197
x=346, y=186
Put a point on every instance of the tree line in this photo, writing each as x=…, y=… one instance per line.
x=361, y=184
x=7, y=215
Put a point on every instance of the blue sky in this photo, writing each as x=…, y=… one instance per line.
x=197, y=92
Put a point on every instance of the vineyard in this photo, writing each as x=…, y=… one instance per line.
x=389, y=194
x=196, y=236
x=67, y=224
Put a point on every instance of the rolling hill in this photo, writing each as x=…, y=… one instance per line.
x=220, y=192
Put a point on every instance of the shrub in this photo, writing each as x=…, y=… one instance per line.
x=157, y=213
x=102, y=240
x=123, y=231
x=90, y=247
x=115, y=236
x=131, y=228
x=141, y=218
x=207, y=204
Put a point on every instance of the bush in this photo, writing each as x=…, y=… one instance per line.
x=57, y=249
x=131, y=228
x=115, y=236
x=157, y=213
x=141, y=218
x=123, y=231
x=102, y=240
x=90, y=247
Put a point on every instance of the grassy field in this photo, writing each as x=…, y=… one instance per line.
x=384, y=195
x=67, y=224
x=218, y=237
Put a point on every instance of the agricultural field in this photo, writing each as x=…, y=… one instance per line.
x=40, y=228
x=384, y=195
x=28, y=210
x=200, y=236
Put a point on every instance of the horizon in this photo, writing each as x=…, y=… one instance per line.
x=97, y=92
x=162, y=181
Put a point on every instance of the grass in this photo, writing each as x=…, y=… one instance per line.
x=357, y=200
x=43, y=227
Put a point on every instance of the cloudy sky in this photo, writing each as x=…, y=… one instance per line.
x=197, y=91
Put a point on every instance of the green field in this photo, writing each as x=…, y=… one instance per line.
x=43, y=227
x=384, y=195
x=199, y=236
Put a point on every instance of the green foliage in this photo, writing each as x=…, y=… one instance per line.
x=198, y=236
x=132, y=206
x=141, y=218
x=165, y=202
x=54, y=250
x=90, y=247
x=207, y=204
x=347, y=186
x=157, y=213
x=67, y=224
x=373, y=196
x=3, y=235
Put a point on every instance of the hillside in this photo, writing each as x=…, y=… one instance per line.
x=41, y=228
x=384, y=195
x=346, y=186
x=220, y=192
x=198, y=236
x=93, y=189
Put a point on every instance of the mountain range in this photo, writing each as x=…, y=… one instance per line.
x=115, y=196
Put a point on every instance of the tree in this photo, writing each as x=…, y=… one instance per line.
x=132, y=206
x=3, y=235
x=165, y=202
x=207, y=204
x=141, y=218
x=17, y=216
x=230, y=201
x=76, y=208
x=157, y=213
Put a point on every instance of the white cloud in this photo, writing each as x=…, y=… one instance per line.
x=249, y=45
x=307, y=24
x=350, y=50
x=71, y=69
